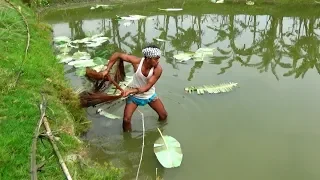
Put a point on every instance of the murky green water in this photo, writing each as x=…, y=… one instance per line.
x=266, y=129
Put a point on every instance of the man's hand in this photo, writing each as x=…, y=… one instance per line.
x=127, y=92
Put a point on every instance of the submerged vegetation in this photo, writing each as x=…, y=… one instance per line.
x=23, y=81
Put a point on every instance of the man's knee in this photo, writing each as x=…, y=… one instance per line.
x=163, y=116
x=126, y=119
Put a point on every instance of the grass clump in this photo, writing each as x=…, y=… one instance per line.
x=38, y=73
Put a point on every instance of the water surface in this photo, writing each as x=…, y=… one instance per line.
x=268, y=128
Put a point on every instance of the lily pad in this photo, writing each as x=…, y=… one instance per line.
x=103, y=6
x=223, y=87
x=79, y=55
x=99, y=68
x=183, y=56
x=132, y=17
x=99, y=61
x=64, y=39
x=82, y=63
x=168, y=151
x=65, y=59
x=94, y=44
x=81, y=71
x=160, y=40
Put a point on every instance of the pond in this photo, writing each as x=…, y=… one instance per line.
x=266, y=128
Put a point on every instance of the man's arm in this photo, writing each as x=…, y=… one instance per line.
x=154, y=78
x=118, y=55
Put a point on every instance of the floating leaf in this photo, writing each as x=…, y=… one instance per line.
x=107, y=115
x=168, y=151
x=99, y=39
x=66, y=59
x=132, y=17
x=81, y=55
x=199, y=55
x=82, y=63
x=224, y=87
x=171, y=9
x=217, y=1
x=64, y=39
x=94, y=44
x=160, y=40
x=183, y=56
x=81, y=71
x=103, y=6
x=250, y=3
x=99, y=61
x=99, y=68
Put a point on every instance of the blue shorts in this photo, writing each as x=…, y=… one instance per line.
x=140, y=102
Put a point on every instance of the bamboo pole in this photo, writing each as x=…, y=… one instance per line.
x=34, y=168
x=55, y=147
x=56, y=150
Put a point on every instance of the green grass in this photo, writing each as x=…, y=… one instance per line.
x=19, y=105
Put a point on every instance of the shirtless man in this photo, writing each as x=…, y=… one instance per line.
x=141, y=90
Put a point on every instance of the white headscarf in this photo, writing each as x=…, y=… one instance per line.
x=151, y=52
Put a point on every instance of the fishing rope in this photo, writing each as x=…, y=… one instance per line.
x=18, y=9
x=142, y=118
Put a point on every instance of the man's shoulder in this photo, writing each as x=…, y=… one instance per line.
x=158, y=69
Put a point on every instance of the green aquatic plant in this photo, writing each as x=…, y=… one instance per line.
x=198, y=55
x=223, y=87
x=168, y=151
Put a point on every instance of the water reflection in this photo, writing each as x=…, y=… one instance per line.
x=126, y=153
x=281, y=46
x=266, y=43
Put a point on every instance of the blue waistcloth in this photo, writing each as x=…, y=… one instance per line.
x=140, y=102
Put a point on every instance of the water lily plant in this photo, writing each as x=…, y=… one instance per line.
x=198, y=55
x=223, y=87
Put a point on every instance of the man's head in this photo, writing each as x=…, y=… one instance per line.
x=152, y=54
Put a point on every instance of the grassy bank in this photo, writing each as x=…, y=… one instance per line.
x=20, y=99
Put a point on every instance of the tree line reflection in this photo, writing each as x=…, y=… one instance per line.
x=266, y=43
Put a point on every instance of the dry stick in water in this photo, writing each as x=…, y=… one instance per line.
x=34, y=168
x=56, y=150
x=142, y=118
x=18, y=9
